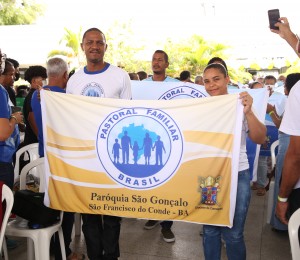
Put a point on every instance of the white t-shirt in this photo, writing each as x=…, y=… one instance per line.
x=243, y=161
x=110, y=82
x=291, y=120
x=290, y=123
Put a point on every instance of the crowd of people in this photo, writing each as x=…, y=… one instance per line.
x=102, y=232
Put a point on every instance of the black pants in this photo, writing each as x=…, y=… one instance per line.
x=7, y=174
x=101, y=234
x=166, y=224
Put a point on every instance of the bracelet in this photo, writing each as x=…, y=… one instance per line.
x=282, y=199
x=14, y=118
x=272, y=112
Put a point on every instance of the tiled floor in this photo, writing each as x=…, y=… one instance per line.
x=137, y=243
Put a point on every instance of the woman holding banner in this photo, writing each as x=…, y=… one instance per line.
x=216, y=80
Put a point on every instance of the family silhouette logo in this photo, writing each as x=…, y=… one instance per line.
x=182, y=92
x=93, y=89
x=140, y=148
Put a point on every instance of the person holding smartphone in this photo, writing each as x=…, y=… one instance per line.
x=285, y=32
x=9, y=132
x=288, y=200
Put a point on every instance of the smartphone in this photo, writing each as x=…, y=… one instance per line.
x=273, y=18
x=15, y=109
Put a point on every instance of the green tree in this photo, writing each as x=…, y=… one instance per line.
x=18, y=12
x=192, y=54
x=70, y=48
x=72, y=40
x=123, y=47
x=294, y=67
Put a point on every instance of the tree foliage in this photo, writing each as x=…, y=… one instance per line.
x=293, y=67
x=122, y=47
x=192, y=55
x=123, y=50
x=20, y=12
x=72, y=40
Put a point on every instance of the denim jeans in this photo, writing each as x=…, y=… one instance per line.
x=284, y=141
x=101, y=234
x=262, y=171
x=7, y=174
x=234, y=236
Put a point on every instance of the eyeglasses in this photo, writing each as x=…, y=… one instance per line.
x=3, y=59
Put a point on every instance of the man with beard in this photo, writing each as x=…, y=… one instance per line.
x=160, y=63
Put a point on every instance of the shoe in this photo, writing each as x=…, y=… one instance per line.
x=279, y=230
x=201, y=232
x=151, y=224
x=75, y=256
x=168, y=235
x=261, y=192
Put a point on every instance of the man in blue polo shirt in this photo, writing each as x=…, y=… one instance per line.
x=57, y=72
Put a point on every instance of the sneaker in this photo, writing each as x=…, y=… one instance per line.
x=168, y=235
x=201, y=232
x=151, y=224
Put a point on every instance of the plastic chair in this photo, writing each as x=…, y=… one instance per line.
x=40, y=237
x=8, y=196
x=272, y=183
x=293, y=226
x=273, y=153
x=32, y=153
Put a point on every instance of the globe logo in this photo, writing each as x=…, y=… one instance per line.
x=93, y=89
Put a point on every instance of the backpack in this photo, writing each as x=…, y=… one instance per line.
x=30, y=206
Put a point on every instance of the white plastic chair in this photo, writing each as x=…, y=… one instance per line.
x=31, y=150
x=293, y=226
x=40, y=237
x=8, y=196
x=273, y=153
x=272, y=183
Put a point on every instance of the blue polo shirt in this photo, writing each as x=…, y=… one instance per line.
x=167, y=79
x=37, y=111
x=10, y=145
